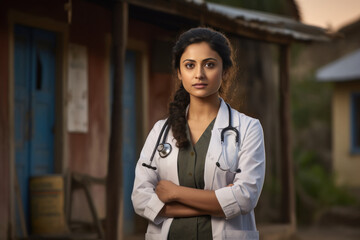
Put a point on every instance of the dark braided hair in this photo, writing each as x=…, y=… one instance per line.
x=217, y=42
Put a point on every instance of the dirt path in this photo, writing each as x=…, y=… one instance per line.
x=329, y=233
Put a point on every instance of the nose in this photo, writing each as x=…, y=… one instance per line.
x=199, y=74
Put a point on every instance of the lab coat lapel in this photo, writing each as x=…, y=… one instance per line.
x=171, y=160
x=214, y=149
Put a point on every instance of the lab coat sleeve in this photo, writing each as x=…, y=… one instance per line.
x=243, y=196
x=145, y=201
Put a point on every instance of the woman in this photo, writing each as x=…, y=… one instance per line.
x=194, y=192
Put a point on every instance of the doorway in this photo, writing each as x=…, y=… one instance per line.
x=34, y=112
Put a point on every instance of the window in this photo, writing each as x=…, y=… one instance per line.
x=355, y=123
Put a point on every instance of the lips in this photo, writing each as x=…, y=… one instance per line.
x=199, y=85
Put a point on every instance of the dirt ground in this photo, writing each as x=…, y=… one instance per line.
x=328, y=233
x=276, y=232
x=312, y=233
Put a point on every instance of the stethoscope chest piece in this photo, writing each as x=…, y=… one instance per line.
x=164, y=149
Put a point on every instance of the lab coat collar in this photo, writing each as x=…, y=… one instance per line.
x=222, y=118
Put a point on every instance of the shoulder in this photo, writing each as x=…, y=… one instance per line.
x=158, y=125
x=243, y=118
x=239, y=118
x=155, y=131
x=246, y=122
x=250, y=129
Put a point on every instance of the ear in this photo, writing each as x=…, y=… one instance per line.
x=179, y=74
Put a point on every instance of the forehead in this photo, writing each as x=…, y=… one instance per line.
x=199, y=51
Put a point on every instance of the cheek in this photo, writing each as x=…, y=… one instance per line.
x=185, y=75
x=216, y=76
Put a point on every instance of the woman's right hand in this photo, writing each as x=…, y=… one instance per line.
x=166, y=191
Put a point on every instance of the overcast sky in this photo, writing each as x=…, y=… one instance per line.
x=325, y=13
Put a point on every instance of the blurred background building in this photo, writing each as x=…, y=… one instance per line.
x=60, y=77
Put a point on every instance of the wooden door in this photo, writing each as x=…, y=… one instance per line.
x=34, y=91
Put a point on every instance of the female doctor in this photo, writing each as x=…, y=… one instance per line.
x=206, y=183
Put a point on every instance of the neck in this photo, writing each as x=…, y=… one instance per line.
x=203, y=108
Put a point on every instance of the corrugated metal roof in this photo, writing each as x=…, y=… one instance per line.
x=248, y=15
x=346, y=68
x=271, y=23
x=248, y=23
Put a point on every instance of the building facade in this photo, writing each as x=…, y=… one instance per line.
x=56, y=93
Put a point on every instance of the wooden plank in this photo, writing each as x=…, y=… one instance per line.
x=20, y=208
x=114, y=175
x=287, y=171
x=94, y=214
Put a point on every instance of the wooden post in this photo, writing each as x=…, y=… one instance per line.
x=114, y=191
x=287, y=174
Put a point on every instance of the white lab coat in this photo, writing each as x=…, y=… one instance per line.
x=238, y=202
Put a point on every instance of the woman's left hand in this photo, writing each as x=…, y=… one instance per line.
x=166, y=191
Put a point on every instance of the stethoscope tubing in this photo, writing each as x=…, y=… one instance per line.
x=166, y=128
x=157, y=144
x=229, y=127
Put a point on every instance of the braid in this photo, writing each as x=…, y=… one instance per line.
x=177, y=116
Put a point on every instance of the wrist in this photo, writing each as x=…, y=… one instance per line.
x=176, y=194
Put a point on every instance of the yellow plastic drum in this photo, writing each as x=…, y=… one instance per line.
x=47, y=205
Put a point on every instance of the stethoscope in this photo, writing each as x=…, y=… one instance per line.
x=164, y=148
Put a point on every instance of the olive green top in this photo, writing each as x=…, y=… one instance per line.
x=191, y=162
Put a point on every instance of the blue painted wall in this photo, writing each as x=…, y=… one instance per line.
x=34, y=63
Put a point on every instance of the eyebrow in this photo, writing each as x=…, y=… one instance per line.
x=206, y=59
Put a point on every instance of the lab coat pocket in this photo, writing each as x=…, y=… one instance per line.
x=153, y=231
x=240, y=235
x=224, y=177
x=152, y=236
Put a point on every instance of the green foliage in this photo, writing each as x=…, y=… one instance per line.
x=318, y=183
x=311, y=101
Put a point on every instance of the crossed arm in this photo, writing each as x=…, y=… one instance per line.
x=187, y=202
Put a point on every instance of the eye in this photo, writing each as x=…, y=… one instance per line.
x=189, y=65
x=210, y=64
